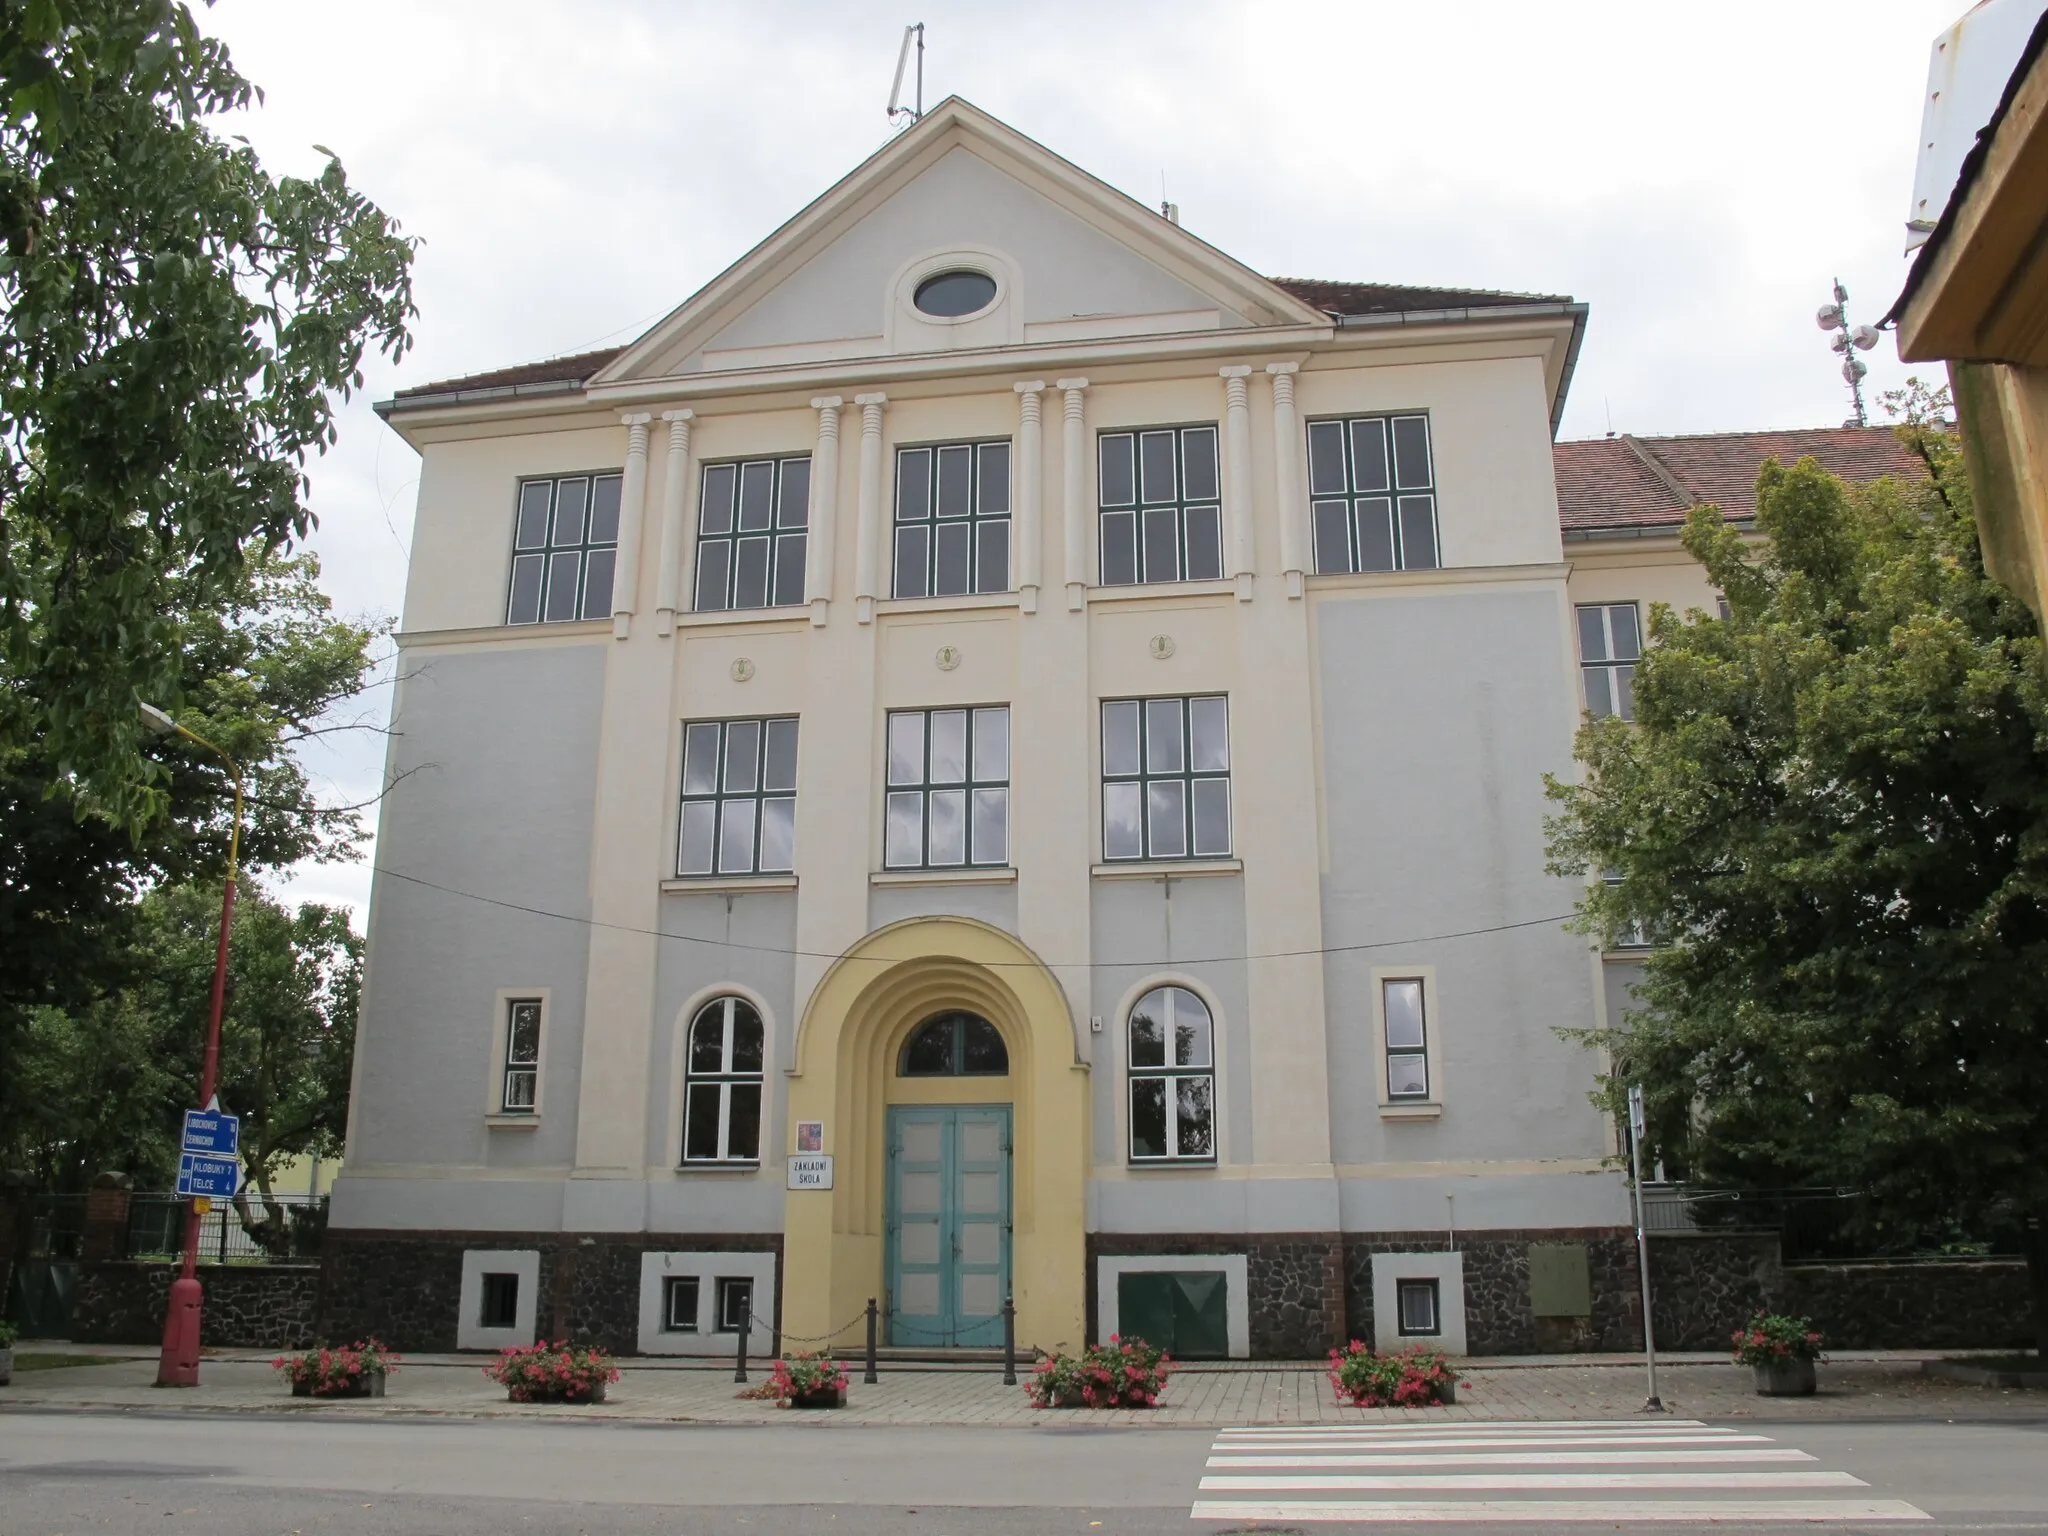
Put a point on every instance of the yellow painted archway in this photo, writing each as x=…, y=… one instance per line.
x=846, y=1045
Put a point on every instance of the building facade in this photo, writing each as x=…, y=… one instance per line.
x=995, y=753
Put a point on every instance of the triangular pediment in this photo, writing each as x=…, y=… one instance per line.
x=1073, y=260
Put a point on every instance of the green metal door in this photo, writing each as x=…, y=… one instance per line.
x=1186, y=1312
x=948, y=1224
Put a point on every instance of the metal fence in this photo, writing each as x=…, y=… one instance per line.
x=1813, y=1225
x=286, y=1229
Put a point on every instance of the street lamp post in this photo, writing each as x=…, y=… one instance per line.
x=178, y=1364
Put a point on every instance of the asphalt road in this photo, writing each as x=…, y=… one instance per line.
x=65, y=1474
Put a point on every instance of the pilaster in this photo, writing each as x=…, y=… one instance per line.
x=824, y=510
x=870, y=529
x=674, y=529
x=1075, y=510
x=1030, y=537
x=632, y=515
x=1287, y=478
x=1237, y=476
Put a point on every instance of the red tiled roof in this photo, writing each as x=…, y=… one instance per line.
x=1331, y=298
x=1605, y=482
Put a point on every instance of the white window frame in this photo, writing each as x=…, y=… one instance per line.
x=1171, y=1073
x=1447, y=1269
x=1616, y=668
x=924, y=787
x=495, y=1112
x=707, y=1269
x=1429, y=1106
x=726, y=1079
x=470, y=1332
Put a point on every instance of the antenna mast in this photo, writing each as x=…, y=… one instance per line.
x=1848, y=341
x=899, y=114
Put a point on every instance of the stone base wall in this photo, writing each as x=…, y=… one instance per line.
x=1708, y=1284
x=1294, y=1283
x=245, y=1306
x=406, y=1287
x=1498, y=1317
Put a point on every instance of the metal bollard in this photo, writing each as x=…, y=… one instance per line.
x=1009, y=1341
x=739, y=1368
x=869, y=1378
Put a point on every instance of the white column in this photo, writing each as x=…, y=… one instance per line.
x=674, y=489
x=824, y=509
x=1237, y=470
x=871, y=530
x=1026, y=535
x=1287, y=452
x=1074, y=492
x=632, y=513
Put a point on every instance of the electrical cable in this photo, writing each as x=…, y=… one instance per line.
x=1090, y=965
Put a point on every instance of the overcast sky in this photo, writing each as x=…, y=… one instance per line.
x=1697, y=174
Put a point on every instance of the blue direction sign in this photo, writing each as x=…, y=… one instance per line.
x=215, y=1176
x=211, y=1133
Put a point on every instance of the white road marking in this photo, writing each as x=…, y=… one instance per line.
x=1477, y=1482
x=1519, y=1459
x=1576, y=1511
x=1498, y=1442
x=1254, y=1430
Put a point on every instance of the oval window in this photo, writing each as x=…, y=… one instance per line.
x=948, y=295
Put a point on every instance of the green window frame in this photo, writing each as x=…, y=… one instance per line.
x=1166, y=778
x=1160, y=501
x=1171, y=1068
x=1610, y=645
x=1372, y=493
x=947, y=800
x=739, y=797
x=952, y=521
x=753, y=533
x=565, y=544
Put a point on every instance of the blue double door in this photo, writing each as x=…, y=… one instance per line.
x=948, y=1224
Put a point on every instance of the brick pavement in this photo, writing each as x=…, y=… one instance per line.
x=1198, y=1396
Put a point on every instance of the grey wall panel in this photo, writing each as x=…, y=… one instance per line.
x=994, y=904
x=1441, y=712
x=1620, y=978
x=1502, y=1202
x=454, y=1204
x=716, y=940
x=497, y=757
x=1145, y=931
x=1152, y=1201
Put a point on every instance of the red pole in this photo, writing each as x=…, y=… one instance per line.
x=178, y=1362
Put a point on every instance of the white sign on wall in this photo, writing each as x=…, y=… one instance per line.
x=812, y=1172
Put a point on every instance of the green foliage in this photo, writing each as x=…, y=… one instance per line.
x=1770, y=1338
x=104, y=1084
x=176, y=326
x=1833, y=806
x=1410, y=1378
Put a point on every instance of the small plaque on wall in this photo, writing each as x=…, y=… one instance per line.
x=810, y=1135
x=811, y=1172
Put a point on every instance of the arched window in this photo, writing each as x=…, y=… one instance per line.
x=954, y=1045
x=1173, y=1078
x=722, y=1084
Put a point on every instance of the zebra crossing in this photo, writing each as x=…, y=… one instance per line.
x=1620, y=1471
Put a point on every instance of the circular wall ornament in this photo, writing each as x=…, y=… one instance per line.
x=742, y=669
x=948, y=657
x=1162, y=647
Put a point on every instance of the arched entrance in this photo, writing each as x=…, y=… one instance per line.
x=873, y=1007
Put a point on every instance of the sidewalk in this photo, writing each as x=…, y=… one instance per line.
x=1869, y=1386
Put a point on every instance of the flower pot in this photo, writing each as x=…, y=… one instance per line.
x=551, y=1395
x=370, y=1384
x=1785, y=1378
x=819, y=1397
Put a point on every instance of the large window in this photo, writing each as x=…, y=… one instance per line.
x=1173, y=1078
x=739, y=797
x=1610, y=645
x=722, y=1089
x=564, y=545
x=752, y=522
x=1161, y=520
x=1401, y=1002
x=516, y=1093
x=948, y=800
x=1372, y=489
x=952, y=519
x=1166, y=778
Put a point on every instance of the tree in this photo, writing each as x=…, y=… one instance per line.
x=175, y=326
x=1833, y=807
x=103, y=1085
x=268, y=667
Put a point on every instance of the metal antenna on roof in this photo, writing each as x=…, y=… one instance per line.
x=898, y=113
x=1848, y=340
